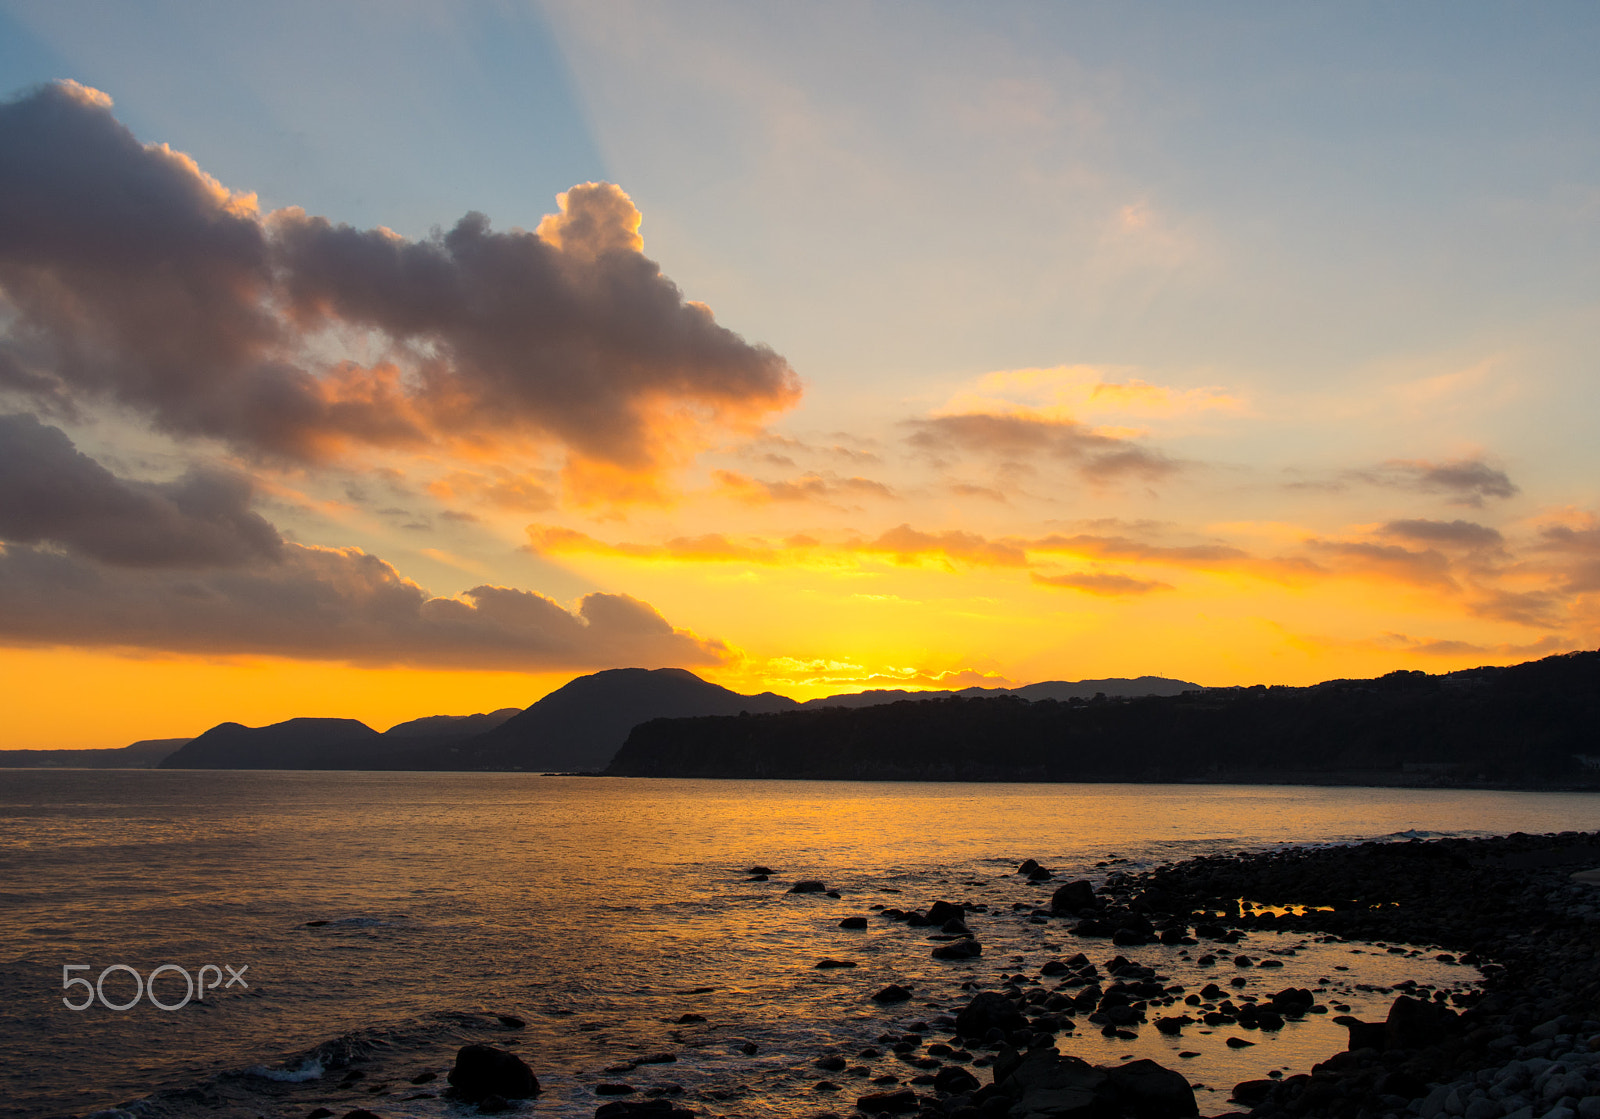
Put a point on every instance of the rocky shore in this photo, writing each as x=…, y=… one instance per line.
x=1196, y=953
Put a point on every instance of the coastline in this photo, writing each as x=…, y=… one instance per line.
x=1507, y=903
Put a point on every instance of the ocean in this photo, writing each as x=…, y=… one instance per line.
x=404, y=913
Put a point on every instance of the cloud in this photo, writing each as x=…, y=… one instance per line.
x=130, y=276
x=497, y=488
x=1465, y=481
x=907, y=545
x=51, y=493
x=1427, y=568
x=1446, y=534
x=1098, y=457
x=1071, y=391
x=826, y=488
x=843, y=675
x=1104, y=584
x=710, y=548
x=335, y=604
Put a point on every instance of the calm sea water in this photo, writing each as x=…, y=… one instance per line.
x=601, y=912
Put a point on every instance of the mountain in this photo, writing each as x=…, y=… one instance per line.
x=581, y=725
x=1528, y=725
x=293, y=744
x=144, y=754
x=452, y=726
x=1114, y=688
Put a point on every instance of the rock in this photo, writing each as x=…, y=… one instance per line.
x=511, y=1021
x=888, y=1102
x=749, y=1049
x=955, y=926
x=958, y=950
x=641, y=1109
x=1128, y=938
x=1239, y=1043
x=1363, y=1035
x=482, y=1070
x=314, y=1113
x=892, y=993
x=809, y=886
x=987, y=1011
x=1253, y=1093
x=425, y=1078
x=955, y=1079
x=1053, y=967
x=835, y=963
x=760, y=870
x=853, y=923
x=1146, y=1088
x=941, y=911
x=690, y=1019
x=363, y=1113
x=1073, y=897
x=1418, y=1023
x=830, y=1063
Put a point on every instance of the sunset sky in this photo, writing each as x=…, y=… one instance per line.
x=393, y=359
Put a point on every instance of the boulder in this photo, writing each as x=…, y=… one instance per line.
x=809, y=886
x=989, y=1010
x=1073, y=897
x=958, y=950
x=1417, y=1024
x=483, y=1070
x=1145, y=1088
x=888, y=1102
x=853, y=923
x=941, y=911
x=955, y=1079
x=892, y=993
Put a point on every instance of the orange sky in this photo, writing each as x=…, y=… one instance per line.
x=258, y=464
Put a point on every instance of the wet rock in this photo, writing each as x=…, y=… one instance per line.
x=989, y=1010
x=641, y=1109
x=890, y=1103
x=1239, y=1043
x=835, y=963
x=482, y=1070
x=1146, y=1088
x=1417, y=1023
x=955, y=926
x=830, y=1063
x=853, y=923
x=958, y=950
x=360, y=1113
x=1253, y=1093
x=1073, y=897
x=760, y=870
x=425, y=1078
x=1033, y=872
x=749, y=1049
x=314, y=1113
x=941, y=911
x=658, y=1059
x=690, y=1019
x=809, y=886
x=955, y=1080
x=894, y=992
x=510, y=1021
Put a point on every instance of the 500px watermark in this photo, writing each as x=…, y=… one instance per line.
x=195, y=987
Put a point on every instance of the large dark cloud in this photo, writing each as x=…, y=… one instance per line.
x=52, y=493
x=132, y=276
x=91, y=559
x=1447, y=534
x=327, y=604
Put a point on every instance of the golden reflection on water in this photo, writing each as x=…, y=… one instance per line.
x=598, y=910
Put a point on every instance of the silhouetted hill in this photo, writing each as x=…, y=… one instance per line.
x=144, y=754
x=1530, y=724
x=452, y=726
x=581, y=725
x=1114, y=688
x=293, y=744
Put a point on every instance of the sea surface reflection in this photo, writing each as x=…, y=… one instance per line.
x=602, y=912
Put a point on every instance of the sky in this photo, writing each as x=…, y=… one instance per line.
x=388, y=360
